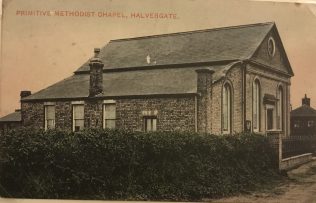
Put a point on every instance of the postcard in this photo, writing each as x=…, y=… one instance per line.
x=114, y=82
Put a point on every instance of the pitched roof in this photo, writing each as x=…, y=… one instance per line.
x=303, y=111
x=131, y=83
x=229, y=43
x=128, y=73
x=12, y=117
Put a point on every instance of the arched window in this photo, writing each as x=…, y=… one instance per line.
x=280, y=108
x=256, y=106
x=226, y=108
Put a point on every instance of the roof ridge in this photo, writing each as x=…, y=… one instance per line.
x=193, y=31
x=258, y=46
x=303, y=107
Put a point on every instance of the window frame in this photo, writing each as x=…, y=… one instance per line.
x=270, y=120
x=46, y=107
x=76, y=104
x=104, y=119
x=310, y=123
x=256, y=102
x=227, y=100
x=152, y=118
x=296, y=124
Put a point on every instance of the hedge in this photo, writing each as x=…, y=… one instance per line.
x=116, y=165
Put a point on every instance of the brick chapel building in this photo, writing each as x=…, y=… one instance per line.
x=222, y=80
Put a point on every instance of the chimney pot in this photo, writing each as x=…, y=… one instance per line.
x=306, y=101
x=25, y=93
x=96, y=52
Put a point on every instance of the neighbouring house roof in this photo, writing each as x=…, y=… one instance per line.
x=12, y=117
x=303, y=111
x=131, y=83
x=229, y=43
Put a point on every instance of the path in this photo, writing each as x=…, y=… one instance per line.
x=300, y=188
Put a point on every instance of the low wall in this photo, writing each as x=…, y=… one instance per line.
x=292, y=162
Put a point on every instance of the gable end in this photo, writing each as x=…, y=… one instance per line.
x=271, y=53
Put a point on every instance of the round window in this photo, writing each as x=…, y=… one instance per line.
x=271, y=46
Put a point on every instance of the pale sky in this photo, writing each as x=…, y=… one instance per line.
x=38, y=51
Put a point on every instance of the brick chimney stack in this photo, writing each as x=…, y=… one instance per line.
x=204, y=79
x=25, y=93
x=96, y=74
x=204, y=86
x=306, y=101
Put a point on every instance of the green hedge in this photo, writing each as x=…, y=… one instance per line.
x=113, y=164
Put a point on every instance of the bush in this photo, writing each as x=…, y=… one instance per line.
x=114, y=164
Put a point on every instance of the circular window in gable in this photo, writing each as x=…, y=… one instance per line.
x=271, y=46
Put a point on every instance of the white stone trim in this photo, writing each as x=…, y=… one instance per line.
x=109, y=101
x=49, y=103
x=150, y=113
x=269, y=75
x=271, y=40
x=77, y=102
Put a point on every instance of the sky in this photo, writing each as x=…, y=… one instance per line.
x=38, y=50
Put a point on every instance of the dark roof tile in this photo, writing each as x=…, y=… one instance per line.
x=303, y=111
x=222, y=44
x=12, y=117
x=230, y=43
x=131, y=83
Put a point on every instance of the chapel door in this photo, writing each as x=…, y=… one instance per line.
x=269, y=119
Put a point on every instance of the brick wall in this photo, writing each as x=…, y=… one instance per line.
x=172, y=113
x=204, y=88
x=93, y=113
x=176, y=113
x=269, y=83
x=234, y=78
x=216, y=104
x=32, y=114
x=63, y=113
x=278, y=62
